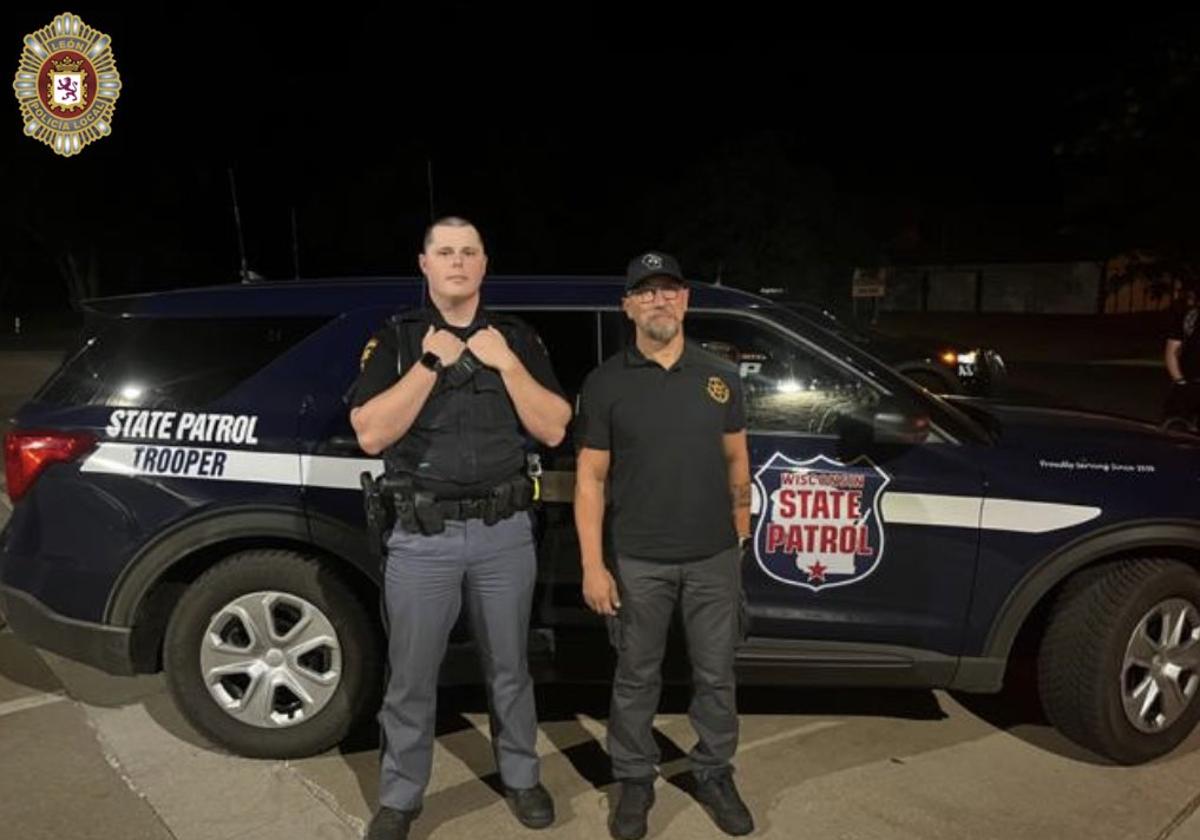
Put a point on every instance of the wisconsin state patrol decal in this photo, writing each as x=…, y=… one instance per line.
x=67, y=85
x=818, y=520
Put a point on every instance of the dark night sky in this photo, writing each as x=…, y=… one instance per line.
x=792, y=159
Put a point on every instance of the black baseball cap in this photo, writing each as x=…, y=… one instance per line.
x=652, y=264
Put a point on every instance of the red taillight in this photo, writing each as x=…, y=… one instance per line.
x=26, y=454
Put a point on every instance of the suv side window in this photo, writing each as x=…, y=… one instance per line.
x=165, y=362
x=570, y=337
x=788, y=387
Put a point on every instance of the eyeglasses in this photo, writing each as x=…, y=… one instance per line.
x=668, y=293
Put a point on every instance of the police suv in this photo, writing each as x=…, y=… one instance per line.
x=186, y=493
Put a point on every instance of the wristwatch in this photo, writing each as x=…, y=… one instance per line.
x=431, y=360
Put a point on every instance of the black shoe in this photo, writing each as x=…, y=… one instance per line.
x=390, y=824
x=720, y=797
x=533, y=806
x=629, y=817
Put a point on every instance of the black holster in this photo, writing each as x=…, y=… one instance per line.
x=378, y=514
x=498, y=504
x=405, y=504
x=429, y=519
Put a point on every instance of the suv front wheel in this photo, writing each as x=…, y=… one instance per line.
x=1119, y=668
x=271, y=655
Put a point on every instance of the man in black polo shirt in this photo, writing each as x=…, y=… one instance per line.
x=663, y=424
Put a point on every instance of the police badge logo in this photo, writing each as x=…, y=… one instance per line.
x=67, y=85
x=818, y=520
x=718, y=390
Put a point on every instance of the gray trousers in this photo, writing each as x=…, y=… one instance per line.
x=425, y=581
x=708, y=593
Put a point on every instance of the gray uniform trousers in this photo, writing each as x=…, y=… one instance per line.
x=423, y=592
x=708, y=593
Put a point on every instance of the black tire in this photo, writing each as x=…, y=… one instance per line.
x=1082, y=653
x=296, y=575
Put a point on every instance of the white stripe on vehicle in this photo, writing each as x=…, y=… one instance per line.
x=1034, y=517
x=336, y=473
x=286, y=468
x=342, y=473
x=1019, y=515
x=194, y=462
x=930, y=509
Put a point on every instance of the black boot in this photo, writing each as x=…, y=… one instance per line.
x=629, y=817
x=390, y=824
x=719, y=795
x=533, y=806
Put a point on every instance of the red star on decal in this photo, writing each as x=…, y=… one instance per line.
x=816, y=573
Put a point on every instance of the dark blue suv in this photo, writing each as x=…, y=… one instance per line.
x=186, y=497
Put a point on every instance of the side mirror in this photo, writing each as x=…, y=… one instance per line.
x=897, y=427
x=885, y=423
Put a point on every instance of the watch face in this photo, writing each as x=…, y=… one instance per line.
x=431, y=361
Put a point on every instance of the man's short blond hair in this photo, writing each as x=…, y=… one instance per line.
x=448, y=221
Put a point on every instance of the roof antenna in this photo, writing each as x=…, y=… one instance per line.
x=295, y=245
x=429, y=181
x=237, y=221
x=426, y=298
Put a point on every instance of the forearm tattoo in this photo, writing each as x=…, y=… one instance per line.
x=741, y=495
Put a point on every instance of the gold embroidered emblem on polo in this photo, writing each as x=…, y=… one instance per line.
x=718, y=390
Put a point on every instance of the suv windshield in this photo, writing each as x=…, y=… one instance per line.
x=941, y=412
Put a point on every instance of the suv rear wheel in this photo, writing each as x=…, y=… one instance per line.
x=270, y=654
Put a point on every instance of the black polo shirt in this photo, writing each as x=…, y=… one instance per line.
x=668, y=478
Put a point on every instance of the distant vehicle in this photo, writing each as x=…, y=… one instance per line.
x=942, y=367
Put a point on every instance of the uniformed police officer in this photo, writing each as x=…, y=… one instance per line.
x=662, y=427
x=444, y=394
x=1182, y=358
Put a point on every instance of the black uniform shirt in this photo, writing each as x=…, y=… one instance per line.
x=1186, y=328
x=464, y=440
